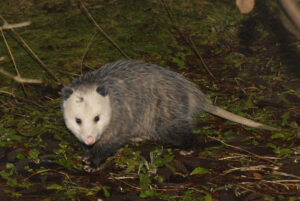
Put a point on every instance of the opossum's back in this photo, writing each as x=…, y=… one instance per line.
x=154, y=92
x=132, y=72
x=145, y=85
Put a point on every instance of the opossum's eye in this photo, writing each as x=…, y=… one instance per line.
x=96, y=118
x=78, y=121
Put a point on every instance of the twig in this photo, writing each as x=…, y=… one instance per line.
x=188, y=40
x=33, y=54
x=86, y=50
x=249, y=168
x=238, y=148
x=102, y=31
x=13, y=26
x=48, y=170
x=12, y=58
x=285, y=174
x=20, y=79
x=8, y=93
x=2, y=58
x=238, y=155
x=23, y=99
x=128, y=184
x=238, y=83
x=201, y=58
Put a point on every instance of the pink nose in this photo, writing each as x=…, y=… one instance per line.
x=90, y=140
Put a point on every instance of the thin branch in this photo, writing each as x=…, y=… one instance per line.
x=10, y=53
x=13, y=59
x=201, y=58
x=86, y=50
x=33, y=54
x=13, y=26
x=8, y=93
x=20, y=79
x=48, y=170
x=249, y=168
x=102, y=31
x=244, y=150
x=188, y=40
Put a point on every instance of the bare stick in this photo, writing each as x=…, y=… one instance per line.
x=201, y=58
x=13, y=59
x=238, y=148
x=8, y=93
x=33, y=54
x=250, y=168
x=188, y=40
x=10, y=53
x=48, y=170
x=102, y=31
x=13, y=26
x=20, y=79
x=86, y=50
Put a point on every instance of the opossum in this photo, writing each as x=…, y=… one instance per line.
x=131, y=100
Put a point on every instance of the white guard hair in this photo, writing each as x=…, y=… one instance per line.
x=86, y=105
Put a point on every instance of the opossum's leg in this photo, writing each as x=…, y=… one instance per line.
x=180, y=135
x=100, y=152
x=86, y=153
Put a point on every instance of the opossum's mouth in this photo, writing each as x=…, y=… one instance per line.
x=89, y=141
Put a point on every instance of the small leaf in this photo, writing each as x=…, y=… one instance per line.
x=200, y=170
x=106, y=193
x=147, y=193
x=257, y=175
x=208, y=197
x=145, y=181
x=34, y=154
x=278, y=135
x=55, y=187
x=285, y=117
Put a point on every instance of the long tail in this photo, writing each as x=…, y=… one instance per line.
x=238, y=119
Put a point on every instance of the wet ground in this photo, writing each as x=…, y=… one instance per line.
x=252, y=69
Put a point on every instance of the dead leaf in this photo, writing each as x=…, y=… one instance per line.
x=257, y=175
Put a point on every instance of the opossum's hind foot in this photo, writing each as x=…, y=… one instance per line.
x=182, y=137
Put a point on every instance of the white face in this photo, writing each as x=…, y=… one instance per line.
x=87, y=114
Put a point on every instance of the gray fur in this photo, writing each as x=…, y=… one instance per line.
x=148, y=102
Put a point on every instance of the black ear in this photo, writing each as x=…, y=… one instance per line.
x=66, y=92
x=102, y=89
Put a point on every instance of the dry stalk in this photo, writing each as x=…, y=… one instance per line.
x=102, y=31
x=244, y=150
x=249, y=168
x=86, y=50
x=13, y=59
x=48, y=170
x=188, y=40
x=20, y=79
x=13, y=26
x=34, y=55
x=8, y=93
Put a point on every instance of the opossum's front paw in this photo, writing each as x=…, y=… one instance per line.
x=85, y=160
x=90, y=169
x=90, y=164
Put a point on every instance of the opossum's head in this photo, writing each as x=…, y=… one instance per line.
x=87, y=112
